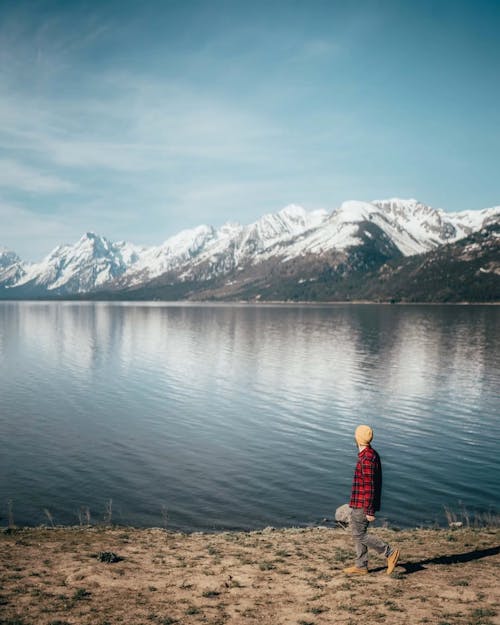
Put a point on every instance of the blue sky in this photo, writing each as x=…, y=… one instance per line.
x=138, y=119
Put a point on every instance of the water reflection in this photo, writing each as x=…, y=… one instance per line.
x=240, y=415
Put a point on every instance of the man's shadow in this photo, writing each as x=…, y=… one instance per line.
x=458, y=558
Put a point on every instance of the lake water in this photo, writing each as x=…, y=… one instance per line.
x=232, y=416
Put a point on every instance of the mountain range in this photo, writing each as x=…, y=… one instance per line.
x=395, y=249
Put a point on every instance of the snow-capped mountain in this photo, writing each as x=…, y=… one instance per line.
x=413, y=227
x=428, y=227
x=293, y=232
x=11, y=267
x=222, y=250
x=466, y=270
x=93, y=261
x=371, y=232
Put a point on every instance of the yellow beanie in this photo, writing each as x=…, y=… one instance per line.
x=363, y=434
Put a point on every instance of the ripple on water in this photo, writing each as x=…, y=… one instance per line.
x=244, y=416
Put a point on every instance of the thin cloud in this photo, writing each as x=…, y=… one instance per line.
x=22, y=225
x=15, y=175
x=184, y=115
x=143, y=127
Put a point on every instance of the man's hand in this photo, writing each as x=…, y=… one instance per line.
x=370, y=518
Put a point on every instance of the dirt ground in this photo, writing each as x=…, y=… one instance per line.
x=274, y=577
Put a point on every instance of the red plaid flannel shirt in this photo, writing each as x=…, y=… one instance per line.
x=367, y=482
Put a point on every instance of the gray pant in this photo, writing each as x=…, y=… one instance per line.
x=363, y=540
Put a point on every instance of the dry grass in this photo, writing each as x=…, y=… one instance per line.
x=463, y=518
x=286, y=577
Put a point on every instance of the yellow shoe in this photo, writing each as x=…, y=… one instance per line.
x=392, y=560
x=353, y=570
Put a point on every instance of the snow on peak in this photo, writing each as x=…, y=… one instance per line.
x=92, y=261
x=11, y=267
x=405, y=207
x=293, y=211
x=129, y=252
x=229, y=229
x=188, y=241
x=412, y=226
x=90, y=235
x=172, y=253
x=290, y=221
x=354, y=210
x=8, y=257
x=476, y=219
x=204, y=252
x=397, y=201
x=295, y=214
x=226, y=248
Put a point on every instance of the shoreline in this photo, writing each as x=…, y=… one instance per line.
x=485, y=521
x=289, y=576
x=244, y=303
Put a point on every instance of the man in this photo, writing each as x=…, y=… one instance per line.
x=365, y=501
